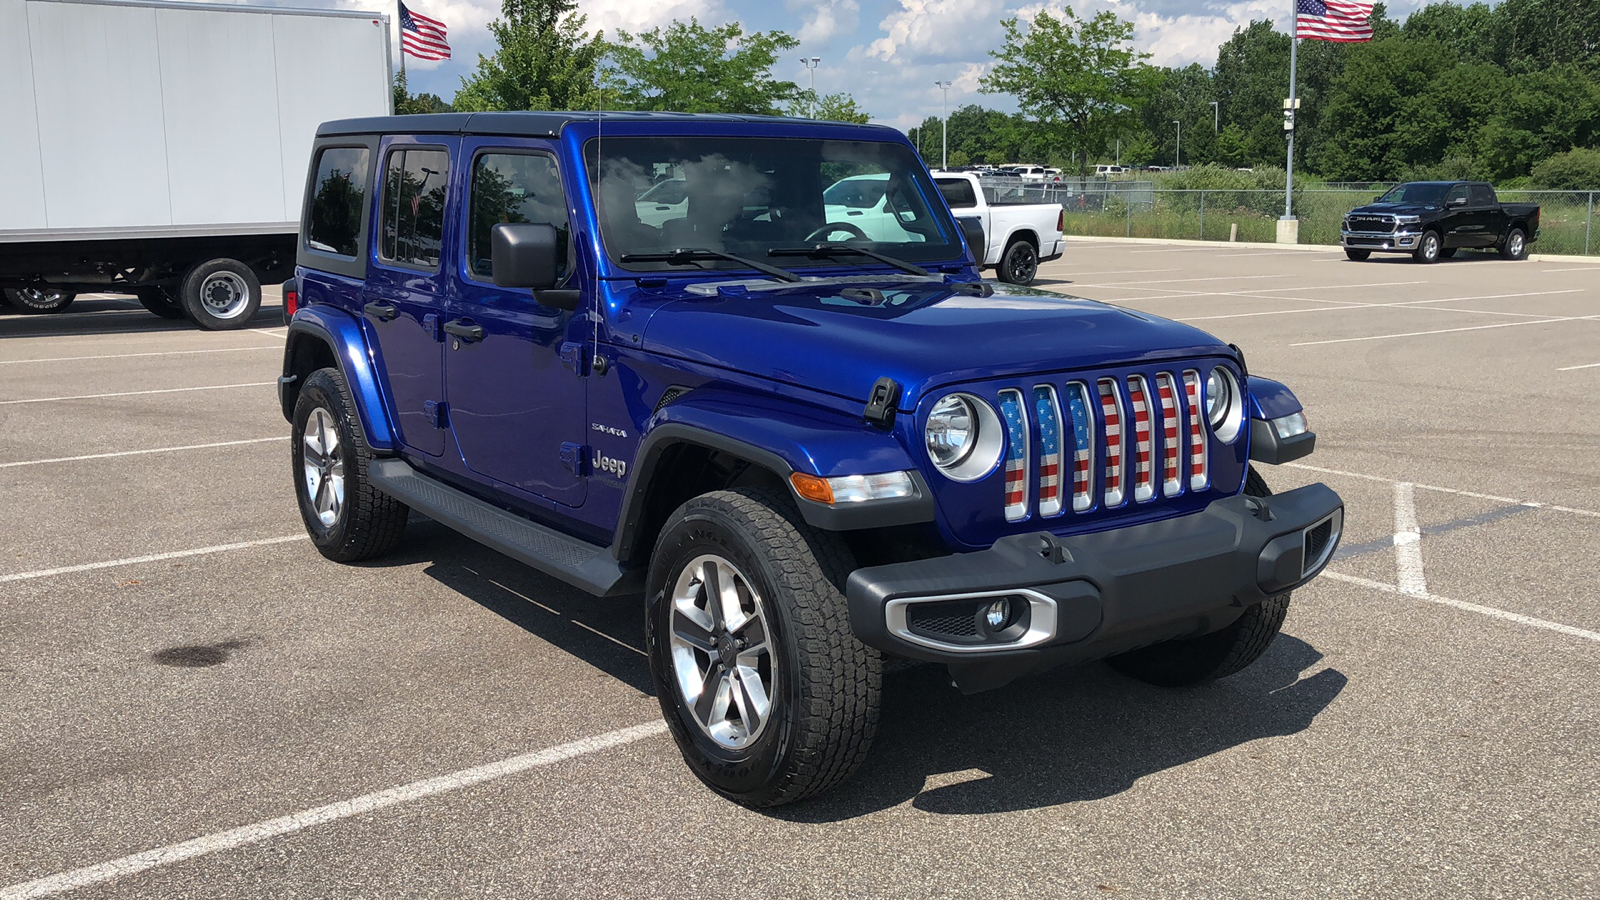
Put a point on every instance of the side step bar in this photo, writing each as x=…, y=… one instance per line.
x=575, y=561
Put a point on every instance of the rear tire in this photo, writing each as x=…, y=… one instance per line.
x=39, y=301
x=1019, y=264
x=1428, y=249
x=347, y=518
x=157, y=300
x=220, y=294
x=1217, y=655
x=1515, y=246
x=1357, y=255
x=781, y=638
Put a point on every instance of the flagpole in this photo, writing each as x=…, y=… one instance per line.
x=1294, y=41
x=399, y=20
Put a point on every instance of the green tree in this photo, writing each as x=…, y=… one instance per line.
x=1540, y=114
x=1081, y=79
x=1182, y=95
x=546, y=60
x=409, y=104
x=1574, y=170
x=840, y=107
x=686, y=67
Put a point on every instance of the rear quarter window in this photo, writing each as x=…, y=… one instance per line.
x=412, y=226
x=338, y=200
x=957, y=192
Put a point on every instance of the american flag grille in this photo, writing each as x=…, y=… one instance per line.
x=1123, y=440
x=1383, y=224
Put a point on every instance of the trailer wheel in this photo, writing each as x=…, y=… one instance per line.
x=220, y=294
x=161, y=302
x=39, y=300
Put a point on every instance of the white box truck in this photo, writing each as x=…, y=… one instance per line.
x=159, y=149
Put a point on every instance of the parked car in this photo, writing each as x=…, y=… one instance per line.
x=869, y=207
x=1431, y=220
x=667, y=199
x=1109, y=170
x=805, y=455
x=1018, y=235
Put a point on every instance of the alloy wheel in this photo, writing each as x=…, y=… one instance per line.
x=722, y=655
x=323, y=466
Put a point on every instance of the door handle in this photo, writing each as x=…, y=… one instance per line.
x=383, y=312
x=462, y=329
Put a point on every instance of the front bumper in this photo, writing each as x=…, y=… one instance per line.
x=1397, y=241
x=1090, y=596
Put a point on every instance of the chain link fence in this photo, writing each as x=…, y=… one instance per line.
x=1138, y=209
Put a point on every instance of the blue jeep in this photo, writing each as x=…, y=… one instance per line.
x=809, y=448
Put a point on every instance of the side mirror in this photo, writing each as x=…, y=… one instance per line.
x=1378, y=199
x=1459, y=201
x=972, y=230
x=526, y=255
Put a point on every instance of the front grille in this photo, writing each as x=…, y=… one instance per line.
x=1317, y=537
x=1083, y=427
x=945, y=620
x=1383, y=224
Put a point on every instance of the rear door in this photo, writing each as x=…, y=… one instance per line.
x=404, y=297
x=1491, y=220
x=517, y=404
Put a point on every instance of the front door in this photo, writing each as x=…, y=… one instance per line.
x=403, y=302
x=517, y=406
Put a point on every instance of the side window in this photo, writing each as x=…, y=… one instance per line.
x=1481, y=194
x=338, y=201
x=1459, y=192
x=958, y=193
x=415, y=183
x=512, y=187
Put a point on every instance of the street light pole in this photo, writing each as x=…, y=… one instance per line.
x=944, y=140
x=810, y=62
x=1177, y=152
x=1216, y=118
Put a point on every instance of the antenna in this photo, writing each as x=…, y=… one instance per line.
x=597, y=363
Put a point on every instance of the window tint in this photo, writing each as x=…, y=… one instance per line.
x=338, y=201
x=414, y=187
x=957, y=192
x=512, y=187
x=1481, y=194
x=1459, y=192
x=858, y=192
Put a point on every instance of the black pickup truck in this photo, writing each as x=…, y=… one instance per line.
x=1433, y=219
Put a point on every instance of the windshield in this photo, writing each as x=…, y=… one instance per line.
x=1415, y=193
x=746, y=196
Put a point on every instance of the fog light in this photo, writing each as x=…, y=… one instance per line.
x=997, y=613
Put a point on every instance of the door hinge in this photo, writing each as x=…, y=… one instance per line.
x=576, y=458
x=436, y=412
x=573, y=357
x=430, y=324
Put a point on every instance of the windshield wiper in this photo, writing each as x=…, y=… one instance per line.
x=824, y=251
x=684, y=257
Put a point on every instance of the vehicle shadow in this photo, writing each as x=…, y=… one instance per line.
x=1072, y=734
x=113, y=314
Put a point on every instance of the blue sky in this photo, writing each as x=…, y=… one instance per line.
x=887, y=53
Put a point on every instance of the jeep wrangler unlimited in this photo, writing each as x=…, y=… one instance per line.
x=807, y=448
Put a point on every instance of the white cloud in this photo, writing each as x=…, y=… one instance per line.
x=828, y=19
x=938, y=30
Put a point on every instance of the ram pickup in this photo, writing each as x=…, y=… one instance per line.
x=1431, y=220
x=803, y=450
x=1019, y=233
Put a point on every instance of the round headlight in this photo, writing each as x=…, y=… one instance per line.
x=952, y=431
x=1217, y=397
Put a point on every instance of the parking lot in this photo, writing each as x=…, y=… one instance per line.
x=197, y=704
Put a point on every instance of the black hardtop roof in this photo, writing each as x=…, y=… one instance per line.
x=536, y=124
x=1484, y=183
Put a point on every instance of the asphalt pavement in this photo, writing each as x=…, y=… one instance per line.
x=198, y=705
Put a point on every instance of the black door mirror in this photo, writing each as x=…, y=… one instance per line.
x=1456, y=201
x=526, y=255
x=972, y=230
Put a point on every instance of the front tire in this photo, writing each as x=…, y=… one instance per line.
x=1428, y=248
x=767, y=691
x=1357, y=255
x=347, y=518
x=1515, y=245
x=1019, y=264
x=1188, y=661
x=220, y=294
x=39, y=301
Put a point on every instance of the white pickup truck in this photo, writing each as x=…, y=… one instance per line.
x=1018, y=234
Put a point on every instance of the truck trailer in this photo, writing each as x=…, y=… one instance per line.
x=159, y=149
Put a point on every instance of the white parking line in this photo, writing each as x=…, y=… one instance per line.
x=1112, y=284
x=14, y=362
x=1062, y=263
x=1535, y=504
x=154, y=557
x=62, y=459
x=1518, y=618
x=1575, y=368
x=280, y=335
x=244, y=835
x=1383, y=337
x=1408, y=542
x=212, y=387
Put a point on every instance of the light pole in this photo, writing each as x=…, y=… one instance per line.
x=810, y=62
x=1216, y=118
x=1177, y=152
x=944, y=139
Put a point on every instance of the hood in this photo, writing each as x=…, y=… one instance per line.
x=1394, y=209
x=921, y=335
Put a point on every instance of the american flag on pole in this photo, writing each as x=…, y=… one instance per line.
x=421, y=36
x=1333, y=20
